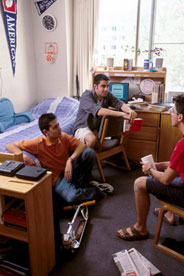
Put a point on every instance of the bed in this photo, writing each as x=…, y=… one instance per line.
x=63, y=107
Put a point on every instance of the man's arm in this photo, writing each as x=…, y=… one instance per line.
x=108, y=112
x=68, y=168
x=14, y=148
x=125, y=108
x=165, y=177
x=161, y=166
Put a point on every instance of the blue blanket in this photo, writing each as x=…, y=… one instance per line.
x=64, y=108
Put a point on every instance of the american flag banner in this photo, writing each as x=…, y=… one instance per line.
x=43, y=5
x=9, y=8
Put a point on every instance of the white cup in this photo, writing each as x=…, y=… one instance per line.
x=148, y=159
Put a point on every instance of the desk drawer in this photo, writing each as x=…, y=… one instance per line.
x=146, y=133
x=149, y=119
x=136, y=149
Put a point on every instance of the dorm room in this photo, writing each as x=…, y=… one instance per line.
x=57, y=58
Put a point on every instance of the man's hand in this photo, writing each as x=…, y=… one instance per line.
x=145, y=167
x=133, y=115
x=28, y=160
x=68, y=170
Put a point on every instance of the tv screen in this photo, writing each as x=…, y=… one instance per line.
x=120, y=90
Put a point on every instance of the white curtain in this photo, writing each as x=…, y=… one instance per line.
x=85, y=35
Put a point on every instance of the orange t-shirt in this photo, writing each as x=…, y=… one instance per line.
x=52, y=156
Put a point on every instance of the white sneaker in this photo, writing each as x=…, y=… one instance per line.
x=103, y=187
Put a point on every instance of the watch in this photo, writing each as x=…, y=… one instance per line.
x=70, y=158
x=149, y=173
x=49, y=22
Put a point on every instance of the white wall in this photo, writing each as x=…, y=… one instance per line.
x=52, y=78
x=35, y=78
x=21, y=88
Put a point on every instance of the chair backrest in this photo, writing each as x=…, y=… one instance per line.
x=111, y=126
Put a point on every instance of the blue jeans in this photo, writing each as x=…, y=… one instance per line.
x=78, y=190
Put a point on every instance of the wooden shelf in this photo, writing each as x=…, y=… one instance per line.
x=37, y=198
x=13, y=233
x=119, y=75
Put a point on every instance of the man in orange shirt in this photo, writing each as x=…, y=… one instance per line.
x=69, y=160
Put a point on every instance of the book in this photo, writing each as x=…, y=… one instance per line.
x=132, y=262
x=17, y=260
x=15, y=215
x=136, y=126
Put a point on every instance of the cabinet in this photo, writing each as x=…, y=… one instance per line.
x=118, y=75
x=169, y=136
x=146, y=141
x=37, y=197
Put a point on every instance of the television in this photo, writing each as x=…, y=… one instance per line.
x=120, y=90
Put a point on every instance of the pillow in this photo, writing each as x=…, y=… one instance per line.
x=9, y=118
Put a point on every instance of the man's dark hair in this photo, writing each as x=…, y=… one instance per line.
x=100, y=77
x=179, y=102
x=44, y=121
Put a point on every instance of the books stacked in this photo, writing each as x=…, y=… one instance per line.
x=16, y=262
x=158, y=92
x=15, y=216
x=132, y=262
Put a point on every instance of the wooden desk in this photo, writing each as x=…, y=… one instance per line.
x=39, y=218
x=169, y=136
x=146, y=141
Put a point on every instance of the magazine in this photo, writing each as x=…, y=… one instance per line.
x=132, y=263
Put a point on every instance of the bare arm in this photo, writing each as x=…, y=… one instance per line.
x=68, y=168
x=125, y=108
x=164, y=177
x=108, y=112
x=161, y=166
x=14, y=148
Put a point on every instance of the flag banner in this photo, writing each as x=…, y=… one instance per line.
x=9, y=8
x=43, y=5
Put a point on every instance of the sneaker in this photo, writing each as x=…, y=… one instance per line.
x=103, y=187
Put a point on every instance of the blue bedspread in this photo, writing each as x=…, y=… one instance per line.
x=64, y=108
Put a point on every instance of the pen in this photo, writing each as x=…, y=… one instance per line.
x=23, y=182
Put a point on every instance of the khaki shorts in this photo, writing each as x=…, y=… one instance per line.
x=80, y=133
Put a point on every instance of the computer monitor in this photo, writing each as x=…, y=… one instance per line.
x=120, y=90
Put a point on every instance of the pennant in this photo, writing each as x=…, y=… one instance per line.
x=9, y=8
x=43, y=5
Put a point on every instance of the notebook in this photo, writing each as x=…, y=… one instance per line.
x=10, y=167
x=31, y=173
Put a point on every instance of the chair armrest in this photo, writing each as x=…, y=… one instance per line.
x=24, y=117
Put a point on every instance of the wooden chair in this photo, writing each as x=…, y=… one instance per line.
x=110, y=141
x=176, y=210
x=10, y=156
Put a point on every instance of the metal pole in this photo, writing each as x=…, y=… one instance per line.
x=152, y=27
x=137, y=30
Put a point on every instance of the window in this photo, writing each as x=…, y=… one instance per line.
x=119, y=30
x=169, y=35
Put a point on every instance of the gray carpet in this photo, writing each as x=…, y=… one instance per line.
x=94, y=257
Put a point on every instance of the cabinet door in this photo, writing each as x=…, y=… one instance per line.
x=138, y=148
x=169, y=136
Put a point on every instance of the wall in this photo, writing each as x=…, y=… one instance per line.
x=52, y=80
x=35, y=79
x=21, y=88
